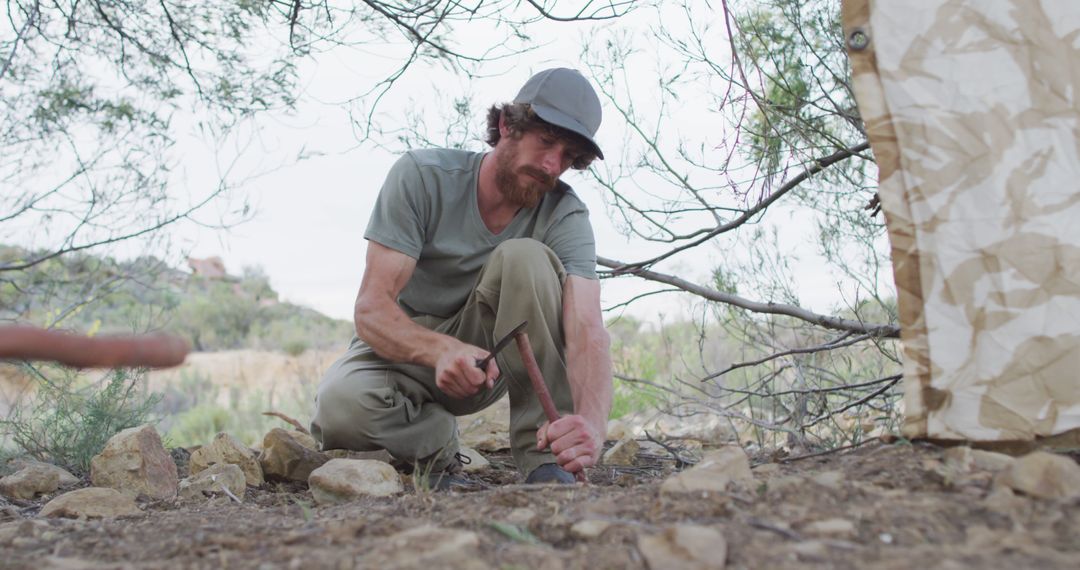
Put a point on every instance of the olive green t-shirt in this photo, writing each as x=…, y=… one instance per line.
x=427, y=210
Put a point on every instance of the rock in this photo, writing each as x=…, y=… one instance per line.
x=476, y=462
x=589, y=529
x=832, y=479
x=622, y=453
x=30, y=481
x=521, y=516
x=211, y=480
x=487, y=430
x=380, y=455
x=964, y=459
x=715, y=471
x=831, y=527
x=66, y=479
x=283, y=458
x=91, y=503
x=227, y=450
x=343, y=480
x=990, y=461
x=304, y=439
x=617, y=430
x=428, y=547
x=134, y=461
x=684, y=546
x=1044, y=475
x=767, y=469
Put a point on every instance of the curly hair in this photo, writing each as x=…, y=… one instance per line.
x=520, y=118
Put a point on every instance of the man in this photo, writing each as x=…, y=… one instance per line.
x=462, y=247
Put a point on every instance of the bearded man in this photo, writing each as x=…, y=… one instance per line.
x=462, y=247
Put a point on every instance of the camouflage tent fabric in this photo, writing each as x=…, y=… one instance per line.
x=971, y=109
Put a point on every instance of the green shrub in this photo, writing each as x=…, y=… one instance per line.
x=199, y=425
x=70, y=419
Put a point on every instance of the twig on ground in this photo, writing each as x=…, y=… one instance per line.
x=830, y=451
x=784, y=532
x=680, y=461
x=289, y=421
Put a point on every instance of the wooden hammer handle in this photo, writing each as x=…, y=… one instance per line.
x=541, y=389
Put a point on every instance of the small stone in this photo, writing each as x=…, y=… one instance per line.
x=427, y=547
x=990, y=461
x=831, y=527
x=521, y=516
x=810, y=550
x=767, y=469
x=684, y=546
x=226, y=449
x=283, y=458
x=344, y=480
x=29, y=481
x=476, y=462
x=1044, y=475
x=714, y=473
x=134, y=462
x=589, y=529
x=66, y=479
x=831, y=479
x=91, y=503
x=622, y=453
x=212, y=480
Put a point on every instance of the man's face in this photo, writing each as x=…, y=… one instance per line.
x=529, y=166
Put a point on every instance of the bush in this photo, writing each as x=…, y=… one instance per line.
x=70, y=419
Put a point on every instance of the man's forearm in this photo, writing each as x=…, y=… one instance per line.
x=394, y=336
x=588, y=361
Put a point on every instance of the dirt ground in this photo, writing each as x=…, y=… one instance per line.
x=906, y=511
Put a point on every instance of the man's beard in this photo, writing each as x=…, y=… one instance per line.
x=525, y=194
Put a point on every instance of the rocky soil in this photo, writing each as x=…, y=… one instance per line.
x=882, y=505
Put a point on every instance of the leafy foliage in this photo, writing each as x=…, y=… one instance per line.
x=70, y=419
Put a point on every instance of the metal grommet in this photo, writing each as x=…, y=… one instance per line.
x=858, y=39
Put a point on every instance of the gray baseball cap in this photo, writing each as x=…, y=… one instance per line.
x=564, y=98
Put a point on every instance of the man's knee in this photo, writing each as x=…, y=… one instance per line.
x=528, y=259
x=348, y=409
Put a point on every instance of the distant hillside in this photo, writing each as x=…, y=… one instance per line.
x=214, y=310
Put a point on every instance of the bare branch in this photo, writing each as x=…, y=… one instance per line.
x=837, y=323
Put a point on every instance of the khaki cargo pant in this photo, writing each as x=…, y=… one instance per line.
x=365, y=403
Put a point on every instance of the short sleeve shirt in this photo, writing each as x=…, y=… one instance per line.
x=427, y=209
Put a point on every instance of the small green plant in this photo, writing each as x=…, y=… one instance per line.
x=70, y=419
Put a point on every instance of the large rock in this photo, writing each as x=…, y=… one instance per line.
x=92, y=503
x=304, y=439
x=343, y=480
x=684, y=546
x=226, y=449
x=30, y=481
x=134, y=461
x=214, y=480
x=283, y=457
x=1044, y=475
x=714, y=473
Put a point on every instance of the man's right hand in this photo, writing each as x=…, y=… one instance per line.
x=456, y=373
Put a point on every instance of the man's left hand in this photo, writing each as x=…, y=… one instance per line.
x=574, y=442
